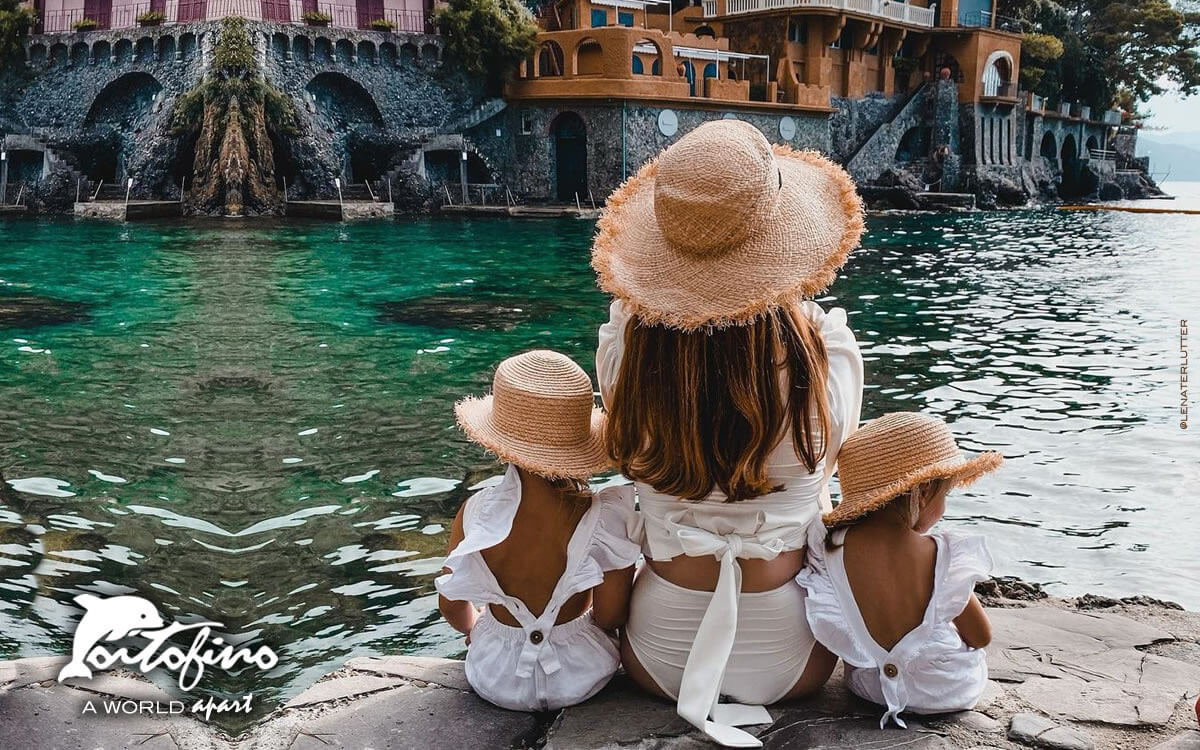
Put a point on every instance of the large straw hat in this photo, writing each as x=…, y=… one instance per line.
x=721, y=227
x=541, y=415
x=890, y=455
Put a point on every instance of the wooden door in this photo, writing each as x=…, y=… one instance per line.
x=368, y=11
x=279, y=11
x=192, y=10
x=99, y=11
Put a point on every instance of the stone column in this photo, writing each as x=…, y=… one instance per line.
x=946, y=133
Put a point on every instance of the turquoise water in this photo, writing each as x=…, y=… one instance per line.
x=252, y=422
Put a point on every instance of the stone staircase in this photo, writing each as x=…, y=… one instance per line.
x=55, y=159
x=865, y=164
x=480, y=113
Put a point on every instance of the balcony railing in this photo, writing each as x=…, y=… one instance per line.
x=982, y=19
x=188, y=11
x=1000, y=90
x=893, y=11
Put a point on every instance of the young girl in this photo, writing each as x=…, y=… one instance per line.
x=552, y=563
x=894, y=602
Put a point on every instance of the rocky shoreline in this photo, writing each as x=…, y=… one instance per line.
x=1066, y=674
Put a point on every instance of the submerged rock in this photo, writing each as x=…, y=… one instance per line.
x=29, y=311
x=499, y=313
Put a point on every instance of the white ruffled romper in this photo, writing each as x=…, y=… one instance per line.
x=539, y=666
x=930, y=670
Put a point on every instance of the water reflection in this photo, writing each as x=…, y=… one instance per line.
x=253, y=425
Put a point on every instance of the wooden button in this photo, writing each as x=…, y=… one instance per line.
x=890, y=670
x=536, y=636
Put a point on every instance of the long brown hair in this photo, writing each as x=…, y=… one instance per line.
x=701, y=409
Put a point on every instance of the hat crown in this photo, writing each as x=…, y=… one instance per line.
x=542, y=397
x=891, y=447
x=715, y=186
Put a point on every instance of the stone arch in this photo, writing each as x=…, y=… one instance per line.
x=59, y=55
x=914, y=144
x=550, y=60
x=429, y=53
x=166, y=48
x=1070, y=149
x=1092, y=144
x=1049, y=147
x=705, y=30
x=280, y=45
x=79, y=54
x=323, y=51
x=409, y=54
x=123, y=51
x=388, y=55
x=998, y=74
x=37, y=54
x=343, y=52
x=366, y=52
x=302, y=49
x=587, y=58
x=101, y=52
x=144, y=50
x=647, y=57
x=187, y=46
x=344, y=100
x=126, y=99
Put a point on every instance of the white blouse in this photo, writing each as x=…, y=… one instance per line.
x=540, y=665
x=759, y=528
x=930, y=670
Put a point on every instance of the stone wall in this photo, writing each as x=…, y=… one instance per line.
x=523, y=142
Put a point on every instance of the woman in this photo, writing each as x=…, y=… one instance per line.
x=728, y=399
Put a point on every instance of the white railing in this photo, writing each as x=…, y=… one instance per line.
x=893, y=11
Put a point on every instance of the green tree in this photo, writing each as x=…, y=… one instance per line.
x=489, y=37
x=15, y=22
x=1112, y=49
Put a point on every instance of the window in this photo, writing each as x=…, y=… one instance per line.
x=599, y=18
x=625, y=19
x=526, y=122
x=638, y=68
x=798, y=31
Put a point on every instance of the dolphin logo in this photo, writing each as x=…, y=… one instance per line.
x=107, y=620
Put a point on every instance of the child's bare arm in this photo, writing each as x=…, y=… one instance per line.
x=459, y=614
x=610, y=600
x=973, y=625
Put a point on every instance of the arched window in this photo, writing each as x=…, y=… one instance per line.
x=997, y=75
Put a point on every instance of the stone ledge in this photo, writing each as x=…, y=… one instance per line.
x=1062, y=677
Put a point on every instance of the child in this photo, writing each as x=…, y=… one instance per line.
x=552, y=563
x=895, y=603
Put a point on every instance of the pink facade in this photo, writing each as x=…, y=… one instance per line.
x=61, y=15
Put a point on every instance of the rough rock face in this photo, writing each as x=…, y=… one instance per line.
x=238, y=111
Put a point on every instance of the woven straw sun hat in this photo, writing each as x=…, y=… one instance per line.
x=890, y=455
x=541, y=416
x=722, y=227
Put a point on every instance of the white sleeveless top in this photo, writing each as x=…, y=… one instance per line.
x=930, y=670
x=540, y=665
x=759, y=528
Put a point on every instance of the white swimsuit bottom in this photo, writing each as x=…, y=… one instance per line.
x=770, y=650
x=580, y=660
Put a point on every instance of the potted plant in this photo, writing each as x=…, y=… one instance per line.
x=316, y=18
x=86, y=24
x=151, y=18
x=382, y=24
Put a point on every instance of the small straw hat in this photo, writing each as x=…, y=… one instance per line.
x=722, y=227
x=541, y=416
x=890, y=455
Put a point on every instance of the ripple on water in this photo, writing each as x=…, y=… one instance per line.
x=425, y=486
x=46, y=486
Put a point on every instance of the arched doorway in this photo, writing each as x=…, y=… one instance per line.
x=689, y=72
x=1070, y=167
x=1049, y=148
x=570, y=156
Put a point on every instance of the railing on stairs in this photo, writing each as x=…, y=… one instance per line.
x=912, y=96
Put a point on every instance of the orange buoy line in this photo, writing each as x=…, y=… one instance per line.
x=1130, y=209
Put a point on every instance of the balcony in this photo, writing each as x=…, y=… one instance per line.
x=125, y=16
x=999, y=91
x=982, y=19
x=897, y=12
